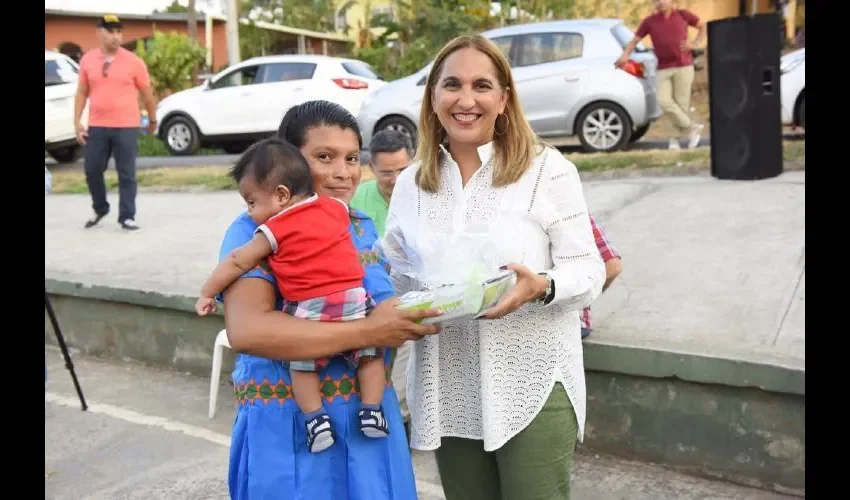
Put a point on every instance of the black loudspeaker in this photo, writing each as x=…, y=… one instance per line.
x=744, y=98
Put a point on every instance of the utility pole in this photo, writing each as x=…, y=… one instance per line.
x=232, y=33
x=193, y=20
x=208, y=37
x=193, y=33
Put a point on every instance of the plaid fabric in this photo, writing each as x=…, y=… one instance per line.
x=346, y=305
x=608, y=252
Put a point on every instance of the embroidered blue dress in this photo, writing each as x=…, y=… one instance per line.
x=269, y=459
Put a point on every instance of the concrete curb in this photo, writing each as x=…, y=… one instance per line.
x=736, y=420
x=652, y=362
x=655, y=362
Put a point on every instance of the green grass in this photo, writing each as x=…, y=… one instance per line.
x=214, y=178
x=151, y=146
x=593, y=162
x=168, y=179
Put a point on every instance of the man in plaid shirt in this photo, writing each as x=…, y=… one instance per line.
x=613, y=268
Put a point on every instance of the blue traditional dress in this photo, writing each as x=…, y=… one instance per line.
x=269, y=459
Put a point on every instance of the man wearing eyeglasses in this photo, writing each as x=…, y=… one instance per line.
x=111, y=78
x=390, y=153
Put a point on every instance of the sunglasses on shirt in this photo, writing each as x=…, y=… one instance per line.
x=105, y=70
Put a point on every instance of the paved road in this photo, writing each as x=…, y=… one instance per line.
x=206, y=160
x=146, y=436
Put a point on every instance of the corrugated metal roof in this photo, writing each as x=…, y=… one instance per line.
x=183, y=17
x=160, y=16
x=298, y=31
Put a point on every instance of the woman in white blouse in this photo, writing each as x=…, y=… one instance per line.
x=501, y=400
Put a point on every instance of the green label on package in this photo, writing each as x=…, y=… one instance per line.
x=460, y=302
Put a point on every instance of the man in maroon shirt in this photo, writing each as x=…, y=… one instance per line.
x=668, y=30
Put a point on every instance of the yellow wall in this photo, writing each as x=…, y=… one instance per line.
x=357, y=16
x=633, y=11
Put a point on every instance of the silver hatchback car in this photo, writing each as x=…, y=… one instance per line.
x=566, y=81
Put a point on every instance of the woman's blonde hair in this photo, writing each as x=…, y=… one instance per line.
x=514, y=140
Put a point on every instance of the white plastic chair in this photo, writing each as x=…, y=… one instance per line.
x=218, y=350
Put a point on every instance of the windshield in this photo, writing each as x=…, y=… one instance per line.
x=624, y=35
x=58, y=72
x=359, y=68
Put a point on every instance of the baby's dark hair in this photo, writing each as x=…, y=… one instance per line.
x=272, y=162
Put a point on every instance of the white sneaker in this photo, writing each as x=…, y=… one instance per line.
x=130, y=225
x=674, y=145
x=694, y=137
x=319, y=433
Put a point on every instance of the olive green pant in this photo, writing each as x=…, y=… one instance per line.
x=534, y=465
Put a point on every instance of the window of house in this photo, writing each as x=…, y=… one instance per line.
x=382, y=10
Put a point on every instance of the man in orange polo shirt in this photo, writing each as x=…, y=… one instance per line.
x=111, y=78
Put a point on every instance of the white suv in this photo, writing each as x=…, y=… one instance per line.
x=247, y=101
x=60, y=87
x=792, y=88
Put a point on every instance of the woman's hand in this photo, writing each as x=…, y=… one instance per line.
x=529, y=286
x=391, y=326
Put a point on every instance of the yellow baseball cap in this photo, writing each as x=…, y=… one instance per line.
x=109, y=21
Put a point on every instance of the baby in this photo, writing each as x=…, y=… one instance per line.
x=305, y=238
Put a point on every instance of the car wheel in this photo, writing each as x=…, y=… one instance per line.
x=181, y=136
x=68, y=154
x=638, y=133
x=399, y=124
x=802, y=112
x=603, y=127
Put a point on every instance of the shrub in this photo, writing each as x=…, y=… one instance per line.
x=170, y=58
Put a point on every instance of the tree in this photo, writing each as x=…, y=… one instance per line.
x=174, y=7
x=316, y=15
x=171, y=58
x=417, y=30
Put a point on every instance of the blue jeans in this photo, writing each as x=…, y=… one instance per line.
x=122, y=143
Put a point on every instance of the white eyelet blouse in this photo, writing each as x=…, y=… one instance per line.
x=488, y=379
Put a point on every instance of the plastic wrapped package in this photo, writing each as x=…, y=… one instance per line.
x=458, y=273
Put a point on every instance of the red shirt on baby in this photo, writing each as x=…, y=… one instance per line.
x=313, y=252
